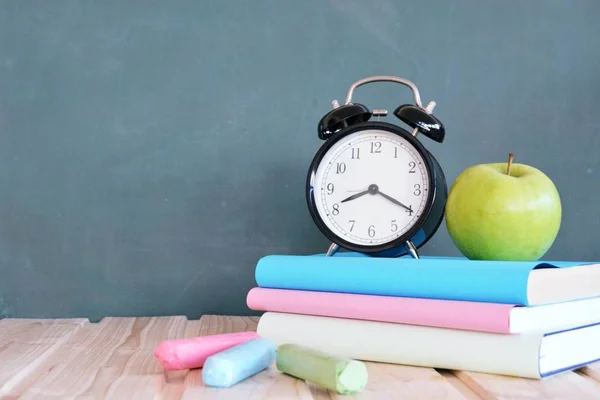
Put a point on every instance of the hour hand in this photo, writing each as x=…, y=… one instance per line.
x=355, y=196
x=373, y=189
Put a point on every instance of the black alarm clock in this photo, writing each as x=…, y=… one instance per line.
x=372, y=187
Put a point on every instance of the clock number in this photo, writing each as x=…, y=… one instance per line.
x=409, y=211
x=395, y=152
x=356, y=153
x=417, y=189
x=394, y=226
x=341, y=168
x=336, y=209
x=330, y=188
x=351, y=222
x=375, y=147
x=371, y=230
x=412, y=166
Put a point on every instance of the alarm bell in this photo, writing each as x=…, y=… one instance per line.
x=416, y=116
x=421, y=120
x=342, y=117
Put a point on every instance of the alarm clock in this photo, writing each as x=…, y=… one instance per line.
x=373, y=187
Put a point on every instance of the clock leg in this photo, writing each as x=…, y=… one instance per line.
x=332, y=249
x=412, y=249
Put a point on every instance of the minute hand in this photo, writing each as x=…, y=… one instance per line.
x=393, y=200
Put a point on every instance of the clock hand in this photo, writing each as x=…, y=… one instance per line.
x=393, y=200
x=373, y=189
x=355, y=196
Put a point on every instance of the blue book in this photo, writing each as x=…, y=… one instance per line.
x=526, y=283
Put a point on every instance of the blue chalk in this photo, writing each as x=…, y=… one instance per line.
x=237, y=363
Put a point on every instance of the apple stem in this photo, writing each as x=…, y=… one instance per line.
x=510, y=160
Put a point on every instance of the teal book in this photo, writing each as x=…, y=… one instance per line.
x=525, y=283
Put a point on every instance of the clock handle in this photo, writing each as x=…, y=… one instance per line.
x=419, y=118
x=385, y=78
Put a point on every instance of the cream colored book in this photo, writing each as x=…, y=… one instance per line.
x=533, y=355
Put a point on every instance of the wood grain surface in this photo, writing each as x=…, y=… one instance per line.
x=113, y=359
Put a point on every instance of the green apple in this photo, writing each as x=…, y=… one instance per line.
x=503, y=211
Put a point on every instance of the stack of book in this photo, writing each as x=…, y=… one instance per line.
x=525, y=319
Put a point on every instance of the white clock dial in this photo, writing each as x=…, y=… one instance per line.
x=387, y=177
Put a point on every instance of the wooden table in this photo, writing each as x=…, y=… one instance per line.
x=113, y=359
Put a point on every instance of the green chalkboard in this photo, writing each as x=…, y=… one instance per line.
x=151, y=152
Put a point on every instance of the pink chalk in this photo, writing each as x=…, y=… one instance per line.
x=191, y=353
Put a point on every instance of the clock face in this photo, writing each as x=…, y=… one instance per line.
x=371, y=187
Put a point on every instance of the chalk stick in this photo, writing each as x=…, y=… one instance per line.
x=233, y=365
x=189, y=353
x=342, y=375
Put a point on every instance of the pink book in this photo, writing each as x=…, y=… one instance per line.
x=475, y=316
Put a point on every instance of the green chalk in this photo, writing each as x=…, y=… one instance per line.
x=341, y=375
